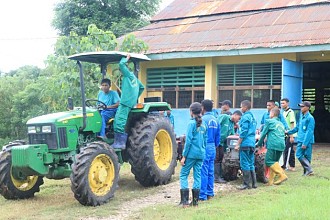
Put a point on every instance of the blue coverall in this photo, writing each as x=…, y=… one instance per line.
x=194, y=152
x=305, y=128
x=247, y=132
x=213, y=140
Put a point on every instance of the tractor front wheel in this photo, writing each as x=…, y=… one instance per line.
x=16, y=188
x=95, y=174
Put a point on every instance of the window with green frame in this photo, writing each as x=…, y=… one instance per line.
x=257, y=82
x=180, y=86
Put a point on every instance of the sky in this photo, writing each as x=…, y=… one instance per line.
x=26, y=34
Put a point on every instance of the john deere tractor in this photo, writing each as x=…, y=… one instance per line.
x=65, y=144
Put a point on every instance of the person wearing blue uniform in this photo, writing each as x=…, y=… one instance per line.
x=225, y=107
x=168, y=115
x=193, y=155
x=246, y=146
x=305, y=139
x=271, y=105
x=111, y=99
x=213, y=140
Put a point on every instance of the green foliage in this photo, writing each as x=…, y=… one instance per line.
x=120, y=16
x=12, y=111
x=29, y=91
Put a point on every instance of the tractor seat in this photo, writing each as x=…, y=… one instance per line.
x=110, y=121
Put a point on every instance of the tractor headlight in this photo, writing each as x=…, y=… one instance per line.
x=32, y=130
x=46, y=129
x=233, y=142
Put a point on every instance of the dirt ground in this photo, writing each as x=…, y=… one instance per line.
x=168, y=194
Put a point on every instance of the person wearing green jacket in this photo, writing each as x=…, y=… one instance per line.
x=275, y=132
x=227, y=123
x=131, y=89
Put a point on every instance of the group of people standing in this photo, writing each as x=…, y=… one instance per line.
x=206, y=141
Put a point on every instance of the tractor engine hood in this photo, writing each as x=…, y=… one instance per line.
x=74, y=117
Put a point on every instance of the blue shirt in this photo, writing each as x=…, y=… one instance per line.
x=247, y=129
x=194, y=147
x=109, y=98
x=280, y=117
x=305, y=128
x=213, y=129
x=170, y=118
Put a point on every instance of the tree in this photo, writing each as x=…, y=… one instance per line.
x=29, y=92
x=119, y=16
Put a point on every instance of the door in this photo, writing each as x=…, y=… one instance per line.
x=292, y=82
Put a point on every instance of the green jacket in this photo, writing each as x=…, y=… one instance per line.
x=226, y=128
x=131, y=87
x=274, y=129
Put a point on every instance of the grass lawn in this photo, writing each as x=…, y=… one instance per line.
x=298, y=198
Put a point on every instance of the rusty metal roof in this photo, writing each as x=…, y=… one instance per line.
x=279, y=24
x=191, y=8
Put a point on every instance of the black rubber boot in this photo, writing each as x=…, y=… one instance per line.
x=221, y=180
x=307, y=167
x=184, y=197
x=195, y=194
x=216, y=172
x=254, y=179
x=246, y=180
x=120, y=141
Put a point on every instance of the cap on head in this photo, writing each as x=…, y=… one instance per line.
x=226, y=102
x=305, y=103
x=277, y=104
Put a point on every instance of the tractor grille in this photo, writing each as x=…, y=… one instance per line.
x=49, y=138
x=63, y=137
x=44, y=138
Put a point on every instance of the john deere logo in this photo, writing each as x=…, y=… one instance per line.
x=38, y=129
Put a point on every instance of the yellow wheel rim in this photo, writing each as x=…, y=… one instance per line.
x=163, y=149
x=101, y=175
x=26, y=184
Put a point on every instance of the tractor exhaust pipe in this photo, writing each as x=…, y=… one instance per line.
x=83, y=97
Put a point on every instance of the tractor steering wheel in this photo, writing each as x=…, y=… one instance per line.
x=98, y=104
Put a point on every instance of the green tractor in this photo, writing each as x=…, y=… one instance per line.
x=65, y=144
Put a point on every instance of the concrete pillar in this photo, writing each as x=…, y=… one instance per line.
x=211, y=80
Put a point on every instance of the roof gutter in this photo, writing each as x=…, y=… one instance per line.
x=250, y=51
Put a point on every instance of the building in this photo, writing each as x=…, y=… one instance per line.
x=234, y=49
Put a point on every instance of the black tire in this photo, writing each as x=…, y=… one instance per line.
x=95, y=174
x=260, y=166
x=10, y=187
x=229, y=170
x=152, y=150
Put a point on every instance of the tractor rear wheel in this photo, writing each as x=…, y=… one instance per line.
x=95, y=174
x=16, y=188
x=152, y=150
